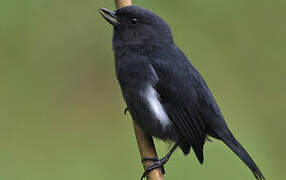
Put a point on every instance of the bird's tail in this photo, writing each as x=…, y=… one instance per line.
x=226, y=136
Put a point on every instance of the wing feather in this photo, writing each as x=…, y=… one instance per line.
x=183, y=94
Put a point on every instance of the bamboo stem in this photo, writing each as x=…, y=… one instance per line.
x=147, y=149
x=145, y=142
x=122, y=3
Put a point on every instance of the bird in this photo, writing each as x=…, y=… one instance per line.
x=164, y=93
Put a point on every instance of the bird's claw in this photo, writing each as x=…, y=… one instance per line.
x=158, y=163
x=125, y=111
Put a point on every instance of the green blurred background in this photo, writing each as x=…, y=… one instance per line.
x=61, y=109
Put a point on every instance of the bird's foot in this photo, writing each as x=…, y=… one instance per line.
x=157, y=163
x=125, y=110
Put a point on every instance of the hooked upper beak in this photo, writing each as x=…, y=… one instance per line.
x=109, y=16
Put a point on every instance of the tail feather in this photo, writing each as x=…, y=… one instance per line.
x=198, y=150
x=227, y=137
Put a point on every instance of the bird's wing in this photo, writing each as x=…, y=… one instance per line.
x=186, y=98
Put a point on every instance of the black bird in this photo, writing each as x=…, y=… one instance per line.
x=165, y=94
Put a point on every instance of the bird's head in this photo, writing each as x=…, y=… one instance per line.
x=137, y=27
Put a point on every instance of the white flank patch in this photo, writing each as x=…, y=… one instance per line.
x=155, y=105
x=154, y=73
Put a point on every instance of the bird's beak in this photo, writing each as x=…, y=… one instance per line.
x=109, y=16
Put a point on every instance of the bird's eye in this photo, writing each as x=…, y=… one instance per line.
x=134, y=21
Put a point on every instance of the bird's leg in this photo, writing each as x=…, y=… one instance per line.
x=125, y=110
x=159, y=162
